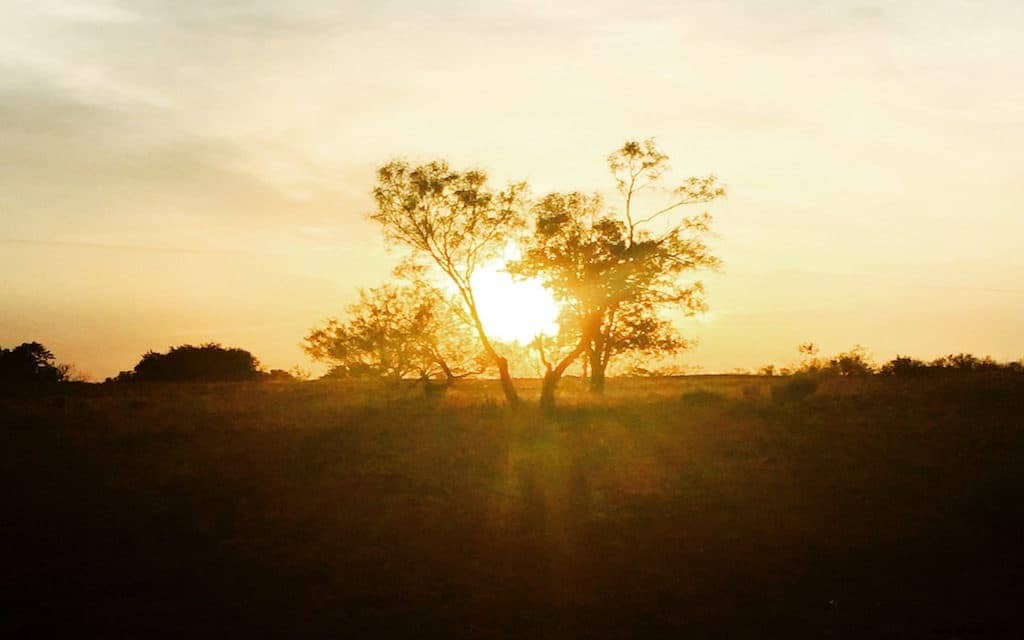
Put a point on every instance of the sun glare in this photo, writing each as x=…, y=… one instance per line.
x=513, y=309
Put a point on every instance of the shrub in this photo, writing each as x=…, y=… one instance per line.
x=795, y=388
x=209, y=362
x=904, y=366
x=855, y=362
x=30, y=364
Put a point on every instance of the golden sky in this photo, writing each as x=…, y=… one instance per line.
x=189, y=171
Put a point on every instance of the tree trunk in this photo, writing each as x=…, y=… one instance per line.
x=551, y=378
x=507, y=386
x=597, y=368
x=547, y=391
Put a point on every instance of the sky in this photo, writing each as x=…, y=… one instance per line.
x=176, y=172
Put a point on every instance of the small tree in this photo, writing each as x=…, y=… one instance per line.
x=612, y=271
x=30, y=364
x=809, y=361
x=454, y=221
x=965, y=362
x=855, y=362
x=209, y=362
x=396, y=332
x=904, y=366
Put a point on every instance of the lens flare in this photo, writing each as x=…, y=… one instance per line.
x=512, y=309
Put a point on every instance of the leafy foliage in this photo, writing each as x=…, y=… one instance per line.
x=855, y=362
x=612, y=271
x=396, y=332
x=953, y=363
x=454, y=221
x=903, y=366
x=209, y=362
x=30, y=364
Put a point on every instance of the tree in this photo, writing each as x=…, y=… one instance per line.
x=855, y=362
x=904, y=366
x=209, y=362
x=396, y=332
x=613, y=273
x=30, y=364
x=454, y=221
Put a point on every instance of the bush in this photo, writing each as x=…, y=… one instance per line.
x=30, y=364
x=904, y=366
x=209, y=362
x=855, y=362
x=795, y=388
x=966, y=362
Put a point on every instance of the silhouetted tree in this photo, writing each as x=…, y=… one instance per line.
x=454, y=221
x=30, y=364
x=613, y=273
x=208, y=362
x=904, y=366
x=397, y=332
x=809, y=361
x=855, y=362
x=965, y=362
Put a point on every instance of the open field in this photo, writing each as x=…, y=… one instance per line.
x=720, y=506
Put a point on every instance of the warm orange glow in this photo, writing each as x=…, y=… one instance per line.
x=874, y=188
x=513, y=309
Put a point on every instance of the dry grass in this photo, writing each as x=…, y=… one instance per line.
x=707, y=506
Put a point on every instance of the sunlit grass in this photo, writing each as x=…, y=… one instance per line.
x=317, y=506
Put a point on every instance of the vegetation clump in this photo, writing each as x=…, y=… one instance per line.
x=30, y=364
x=395, y=332
x=795, y=388
x=614, y=270
x=209, y=362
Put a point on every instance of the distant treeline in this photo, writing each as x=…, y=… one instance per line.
x=32, y=365
x=857, y=362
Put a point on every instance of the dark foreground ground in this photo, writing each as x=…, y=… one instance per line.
x=701, y=507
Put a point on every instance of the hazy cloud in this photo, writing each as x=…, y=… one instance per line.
x=248, y=125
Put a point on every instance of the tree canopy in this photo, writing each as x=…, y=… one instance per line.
x=210, y=362
x=396, y=332
x=455, y=222
x=615, y=271
x=30, y=364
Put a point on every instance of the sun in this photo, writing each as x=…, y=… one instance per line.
x=512, y=309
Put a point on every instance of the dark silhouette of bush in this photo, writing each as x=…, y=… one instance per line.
x=796, y=388
x=953, y=364
x=30, y=364
x=855, y=362
x=208, y=362
x=966, y=362
x=278, y=375
x=904, y=366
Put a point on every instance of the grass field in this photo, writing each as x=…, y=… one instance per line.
x=722, y=506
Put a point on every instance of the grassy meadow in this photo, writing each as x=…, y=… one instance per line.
x=703, y=506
